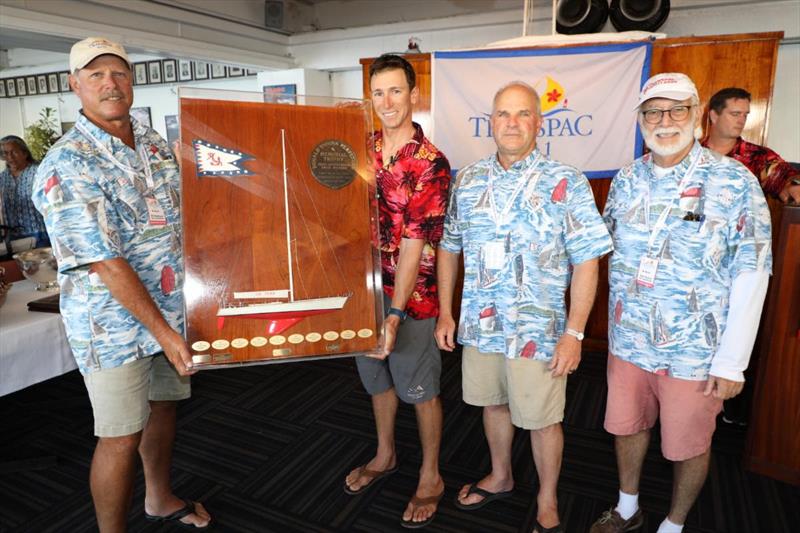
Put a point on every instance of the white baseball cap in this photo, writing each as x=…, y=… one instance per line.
x=85, y=51
x=672, y=85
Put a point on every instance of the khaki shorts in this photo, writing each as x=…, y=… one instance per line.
x=120, y=396
x=535, y=398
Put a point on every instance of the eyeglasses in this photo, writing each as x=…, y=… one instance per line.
x=677, y=113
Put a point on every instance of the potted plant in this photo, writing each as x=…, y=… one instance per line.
x=41, y=135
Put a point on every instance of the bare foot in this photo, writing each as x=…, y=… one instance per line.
x=490, y=483
x=429, y=492
x=199, y=518
x=356, y=479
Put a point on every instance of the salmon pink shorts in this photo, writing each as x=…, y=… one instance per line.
x=636, y=398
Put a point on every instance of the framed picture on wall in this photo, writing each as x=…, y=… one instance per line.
x=170, y=70
x=200, y=71
x=217, y=71
x=251, y=72
x=31, y=84
x=280, y=94
x=140, y=74
x=2, y=89
x=142, y=114
x=41, y=82
x=235, y=72
x=11, y=88
x=173, y=128
x=52, y=82
x=21, y=87
x=154, y=71
x=184, y=70
x=63, y=82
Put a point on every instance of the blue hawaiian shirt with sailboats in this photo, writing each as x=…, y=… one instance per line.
x=518, y=257
x=718, y=226
x=98, y=203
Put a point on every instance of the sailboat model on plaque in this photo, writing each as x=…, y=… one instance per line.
x=301, y=276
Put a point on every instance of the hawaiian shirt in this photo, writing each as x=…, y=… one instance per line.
x=412, y=190
x=717, y=226
x=101, y=200
x=772, y=171
x=520, y=229
x=18, y=209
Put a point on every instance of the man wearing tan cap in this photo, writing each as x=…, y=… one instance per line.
x=687, y=279
x=109, y=194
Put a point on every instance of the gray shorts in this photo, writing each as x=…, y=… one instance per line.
x=121, y=396
x=413, y=368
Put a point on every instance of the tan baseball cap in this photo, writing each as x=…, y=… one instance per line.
x=85, y=51
x=671, y=85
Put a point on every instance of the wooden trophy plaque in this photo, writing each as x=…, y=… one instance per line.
x=279, y=227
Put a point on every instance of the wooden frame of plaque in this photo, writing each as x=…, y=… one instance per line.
x=279, y=216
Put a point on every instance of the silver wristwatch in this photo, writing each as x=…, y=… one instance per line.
x=577, y=334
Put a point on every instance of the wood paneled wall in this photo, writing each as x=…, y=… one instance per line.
x=713, y=62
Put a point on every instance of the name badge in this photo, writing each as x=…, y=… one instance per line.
x=646, y=276
x=494, y=255
x=155, y=214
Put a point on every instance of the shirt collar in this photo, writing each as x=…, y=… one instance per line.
x=106, y=138
x=408, y=149
x=520, y=166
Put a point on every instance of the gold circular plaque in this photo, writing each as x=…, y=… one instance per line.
x=313, y=337
x=296, y=338
x=365, y=333
x=239, y=343
x=277, y=340
x=330, y=335
x=220, y=344
x=201, y=346
x=258, y=342
x=348, y=334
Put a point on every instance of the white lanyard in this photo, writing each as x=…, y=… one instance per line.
x=119, y=164
x=662, y=218
x=523, y=180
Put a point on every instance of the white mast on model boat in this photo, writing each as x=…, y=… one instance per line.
x=293, y=308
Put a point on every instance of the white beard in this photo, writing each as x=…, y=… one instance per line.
x=685, y=138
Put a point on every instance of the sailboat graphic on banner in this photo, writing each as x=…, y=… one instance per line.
x=282, y=310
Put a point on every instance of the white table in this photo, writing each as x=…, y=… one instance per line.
x=33, y=345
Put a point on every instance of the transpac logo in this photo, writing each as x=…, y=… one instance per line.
x=558, y=119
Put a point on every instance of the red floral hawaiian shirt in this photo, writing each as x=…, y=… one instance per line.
x=772, y=172
x=412, y=189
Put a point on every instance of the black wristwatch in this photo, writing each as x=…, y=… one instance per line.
x=398, y=312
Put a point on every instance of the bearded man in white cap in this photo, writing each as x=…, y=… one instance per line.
x=109, y=194
x=688, y=276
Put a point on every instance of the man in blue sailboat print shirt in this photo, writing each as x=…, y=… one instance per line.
x=108, y=191
x=529, y=228
x=688, y=276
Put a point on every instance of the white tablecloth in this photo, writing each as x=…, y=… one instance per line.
x=33, y=345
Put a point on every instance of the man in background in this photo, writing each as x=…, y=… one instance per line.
x=727, y=114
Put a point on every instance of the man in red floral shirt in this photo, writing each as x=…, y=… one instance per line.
x=413, y=179
x=728, y=110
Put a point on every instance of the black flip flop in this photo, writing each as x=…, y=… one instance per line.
x=410, y=524
x=175, y=517
x=373, y=475
x=539, y=528
x=487, y=497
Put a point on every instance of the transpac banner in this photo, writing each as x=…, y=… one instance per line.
x=588, y=97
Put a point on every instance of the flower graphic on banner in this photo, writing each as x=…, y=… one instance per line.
x=552, y=95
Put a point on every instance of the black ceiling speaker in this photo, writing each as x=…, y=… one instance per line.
x=641, y=15
x=581, y=16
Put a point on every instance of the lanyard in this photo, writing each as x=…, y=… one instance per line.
x=523, y=180
x=662, y=218
x=119, y=164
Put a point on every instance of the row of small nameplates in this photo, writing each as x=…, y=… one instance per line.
x=277, y=340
